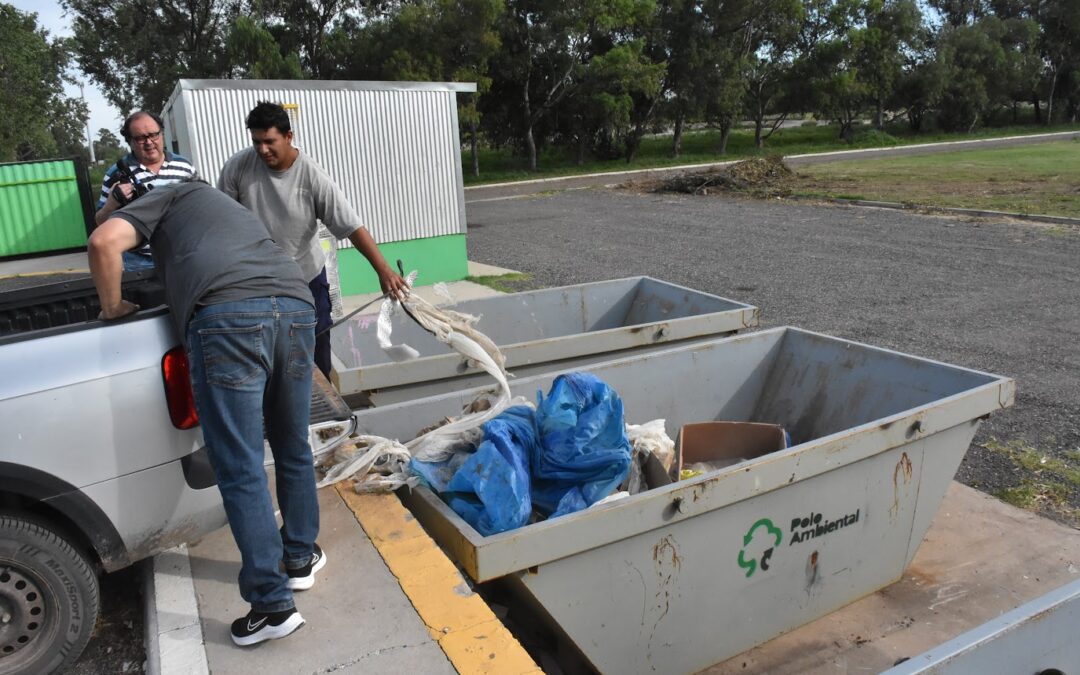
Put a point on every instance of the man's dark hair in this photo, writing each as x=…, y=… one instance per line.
x=125, y=130
x=266, y=115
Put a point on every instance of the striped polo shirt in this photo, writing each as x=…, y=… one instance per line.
x=173, y=170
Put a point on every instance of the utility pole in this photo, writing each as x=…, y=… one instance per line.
x=89, y=138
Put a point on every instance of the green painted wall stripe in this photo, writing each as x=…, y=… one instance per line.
x=435, y=258
x=38, y=181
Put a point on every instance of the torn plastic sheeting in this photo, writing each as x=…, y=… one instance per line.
x=490, y=487
x=583, y=454
x=455, y=329
x=565, y=456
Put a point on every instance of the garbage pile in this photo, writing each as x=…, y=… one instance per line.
x=760, y=177
x=562, y=455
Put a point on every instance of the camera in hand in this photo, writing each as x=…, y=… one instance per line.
x=124, y=174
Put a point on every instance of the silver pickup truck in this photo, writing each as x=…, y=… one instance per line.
x=101, y=459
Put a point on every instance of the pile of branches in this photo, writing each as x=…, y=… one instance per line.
x=758, y=177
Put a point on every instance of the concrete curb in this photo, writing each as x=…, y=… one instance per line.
x=981, y=213
x=465, y=628
x=174, y=638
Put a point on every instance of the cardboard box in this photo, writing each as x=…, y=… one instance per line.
x=725, y=441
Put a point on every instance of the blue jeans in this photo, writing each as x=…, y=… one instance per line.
x=136, y=261
x=251, y=366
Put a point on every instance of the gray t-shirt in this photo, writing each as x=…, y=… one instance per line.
x=209, y=249
x=290, y=203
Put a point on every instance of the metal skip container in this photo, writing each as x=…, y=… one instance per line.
x=536, y=327
x=675, y=579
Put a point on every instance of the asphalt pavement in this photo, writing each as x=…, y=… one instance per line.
x=994, y=295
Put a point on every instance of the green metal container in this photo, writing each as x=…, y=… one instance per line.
x=44, y=206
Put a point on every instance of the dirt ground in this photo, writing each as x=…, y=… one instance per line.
x=116, y=645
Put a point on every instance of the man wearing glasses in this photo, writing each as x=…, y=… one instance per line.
x=148, y=165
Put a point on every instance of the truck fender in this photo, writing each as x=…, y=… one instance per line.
x=79, y=510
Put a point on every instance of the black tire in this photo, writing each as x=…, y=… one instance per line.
x=48, y=598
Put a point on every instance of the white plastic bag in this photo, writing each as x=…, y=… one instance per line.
x=652, y=437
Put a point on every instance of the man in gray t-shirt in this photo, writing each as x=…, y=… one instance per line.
x=243, y=312
x=291, y=193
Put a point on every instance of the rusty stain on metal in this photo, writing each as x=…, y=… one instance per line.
x=644, y=590
x=904, y=468
x=812, y=576
x=667, y=563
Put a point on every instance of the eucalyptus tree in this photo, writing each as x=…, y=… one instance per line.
x=39, y=120
x=891, y=34
x=136, y=50
x=425, y=40
x=547, y=48
x=1059, y=26
x=769, y=68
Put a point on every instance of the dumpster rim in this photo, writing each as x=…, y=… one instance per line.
x=371, y=377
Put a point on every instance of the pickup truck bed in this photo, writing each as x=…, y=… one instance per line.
x=69, y=301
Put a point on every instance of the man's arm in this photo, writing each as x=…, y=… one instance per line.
x=228, y=180
x=335, y=211
x=390, y=281
x=105, y=248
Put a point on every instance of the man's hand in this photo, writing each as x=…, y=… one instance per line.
x=125, y=189
x=393, y=284
x=117, y=312
x=111, y=203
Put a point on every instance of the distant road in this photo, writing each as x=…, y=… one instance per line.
x=481, y=193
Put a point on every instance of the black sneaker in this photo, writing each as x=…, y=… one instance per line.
x=303, y=578
x=258, y=627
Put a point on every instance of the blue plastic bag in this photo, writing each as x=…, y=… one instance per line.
x=490, y=489
x=583, y=454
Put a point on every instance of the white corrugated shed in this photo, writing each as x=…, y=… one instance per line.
x=393, y=147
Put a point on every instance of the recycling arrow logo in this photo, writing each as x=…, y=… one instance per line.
x=753, y=564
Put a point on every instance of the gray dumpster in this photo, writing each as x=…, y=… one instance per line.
x=1037, y=637
x=674, y=579
x=536, y=328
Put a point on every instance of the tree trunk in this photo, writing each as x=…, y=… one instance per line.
x=633, y=143
x=725, y=132
x=676, y=139
x=472, y=146
x=530, y=145
x=759, y=121
x=1050, y=99
x=879, y=115
x=847, y=131
x=530, y=142
x=1038, y=110
x=1015, y=113
x=580, y=149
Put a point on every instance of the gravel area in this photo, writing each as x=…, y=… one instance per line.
x=994, y=295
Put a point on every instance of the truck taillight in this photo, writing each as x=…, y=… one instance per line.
x=178, y=394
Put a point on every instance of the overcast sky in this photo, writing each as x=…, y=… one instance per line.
x=50, y=16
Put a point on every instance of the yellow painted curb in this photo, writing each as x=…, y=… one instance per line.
x=458, y=619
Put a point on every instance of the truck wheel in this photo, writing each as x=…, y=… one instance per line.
x=48, y=598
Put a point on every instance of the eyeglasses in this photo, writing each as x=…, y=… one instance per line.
x=152, y=136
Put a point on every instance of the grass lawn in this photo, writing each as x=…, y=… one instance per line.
x=1036, y=179
x=699, y=147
